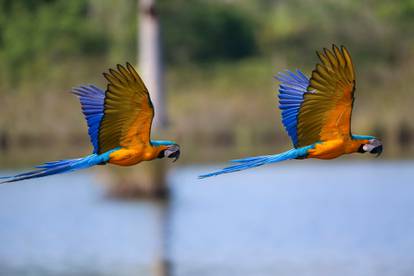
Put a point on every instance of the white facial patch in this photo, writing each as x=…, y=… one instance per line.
x=373, y=143
x=368, y=147
x=168, y=152
x=172, y=149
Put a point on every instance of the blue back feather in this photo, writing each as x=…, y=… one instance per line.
x=362, y=137
x=162, y=143
x=291, y=91
x=92, y=100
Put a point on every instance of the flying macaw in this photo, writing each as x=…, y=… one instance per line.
x=119, y=126
x=316, y=114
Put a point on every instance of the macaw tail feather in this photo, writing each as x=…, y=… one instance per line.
x=252, y=162
x=57, y=167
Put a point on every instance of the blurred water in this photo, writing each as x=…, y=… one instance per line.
x=297, y=218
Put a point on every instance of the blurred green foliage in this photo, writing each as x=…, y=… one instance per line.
x=48, y=31
x=205, y=31
x=45, y=32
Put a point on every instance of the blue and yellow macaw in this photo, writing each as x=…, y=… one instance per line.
x=119, y=126
x=316, y=114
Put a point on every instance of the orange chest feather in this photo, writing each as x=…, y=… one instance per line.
x=327, y=150
x=129, y=157
x=333, y=148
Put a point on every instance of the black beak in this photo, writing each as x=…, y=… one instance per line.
x=377, y=150
x=175, y=155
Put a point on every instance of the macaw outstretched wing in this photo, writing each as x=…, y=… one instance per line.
x=120, y=116
x=323, y=110
x=128, y=111
x=326, y=110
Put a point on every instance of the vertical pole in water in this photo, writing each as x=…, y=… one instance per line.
x=150, y=64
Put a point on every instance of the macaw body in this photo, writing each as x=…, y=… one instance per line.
x=119, y=126
x=135, y=155
x=334, y=148
x=316, y=113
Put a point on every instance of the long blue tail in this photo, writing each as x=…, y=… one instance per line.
x=251, y=162
x=57, y=167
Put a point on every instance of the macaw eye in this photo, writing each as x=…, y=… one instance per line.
x=161, y=154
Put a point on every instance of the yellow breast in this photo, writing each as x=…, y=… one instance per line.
x=328, y=150
x=133, y=156
x=125, y=157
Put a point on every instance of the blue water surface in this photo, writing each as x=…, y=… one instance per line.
x=296, y=218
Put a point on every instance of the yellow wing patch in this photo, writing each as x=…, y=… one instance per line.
x=326, y=110
x=128, y=111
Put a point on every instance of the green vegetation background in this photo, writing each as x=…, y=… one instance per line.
x=220, y=58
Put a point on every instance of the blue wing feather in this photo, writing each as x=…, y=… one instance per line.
x=92, y=100
x=291, y=90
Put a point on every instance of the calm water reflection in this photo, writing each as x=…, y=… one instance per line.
x=313, y=218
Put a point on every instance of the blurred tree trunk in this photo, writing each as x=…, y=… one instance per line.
x=150, y=61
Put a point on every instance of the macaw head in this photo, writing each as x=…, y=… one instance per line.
x=169, y=149
x=373, y=146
